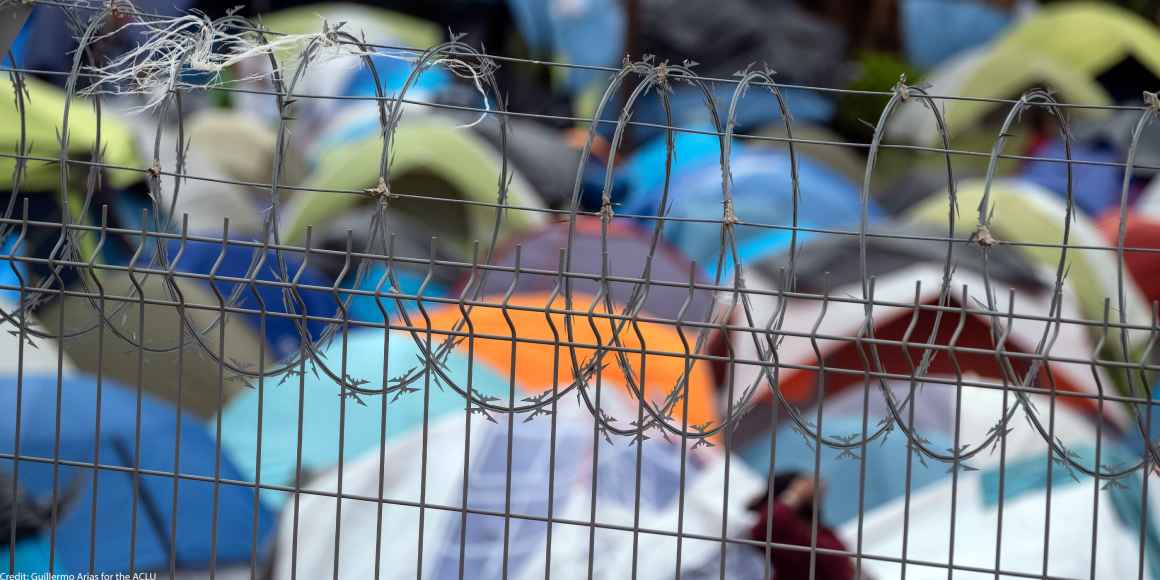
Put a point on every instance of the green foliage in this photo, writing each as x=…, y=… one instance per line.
x=877, y=71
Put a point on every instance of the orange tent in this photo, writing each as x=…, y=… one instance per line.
x=654, y=355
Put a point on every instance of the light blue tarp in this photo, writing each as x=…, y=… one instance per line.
x=326, y=415
x=365, y=308
x=762, y=190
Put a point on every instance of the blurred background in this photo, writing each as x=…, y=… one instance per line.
x=236, y=237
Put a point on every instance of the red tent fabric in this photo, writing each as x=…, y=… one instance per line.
x=1142, y=235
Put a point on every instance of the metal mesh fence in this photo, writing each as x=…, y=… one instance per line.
x=314, y=384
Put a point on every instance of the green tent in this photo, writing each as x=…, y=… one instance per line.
x=432, y=160
x=43, y=114
x=1087, y=37
x=987, y=73
x=1027, y=213
x=1064, y=47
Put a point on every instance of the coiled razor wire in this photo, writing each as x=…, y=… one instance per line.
x=198, y=43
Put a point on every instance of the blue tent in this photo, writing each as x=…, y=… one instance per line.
x=365, y=308
x=324, y=412
x=1095, y=188
x=688, y=108
x=570, y=35
x=935, y=30
x=47, y=42
x=762, y=194
x=281, y=332
x=115, y=489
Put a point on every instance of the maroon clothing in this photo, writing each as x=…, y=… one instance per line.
x=790, y=528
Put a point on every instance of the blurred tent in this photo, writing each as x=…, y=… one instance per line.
x=935, y=30
x=1142, y=265
x=340, y=75
x=328, y=415
x=815, y=142
x=1141, y=249
x=1116, y=132
x=400, y=263
x=482, y=363
x=38, y=185
x=49, y=36
x=229, y=162
x=840, y=319
x=1102, y=538
x=137, y=431
x=977, y=73
x=1025, y=213
x=1148, y=201
x=886, y=464
x=891, y=246
x=43, y=114
x=286, y=323
x=1087, y=52
x=142, y=338
x=888, y=458
x=39, y=356
x=762, y=190
x=585, y=33
x=433, y=163
x=541, y=154
x=628, y=251
x=1096, y=186
x=538, y=365
x=457, y=470
x=384, y=291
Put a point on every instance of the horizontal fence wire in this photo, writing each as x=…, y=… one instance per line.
x=681, y=376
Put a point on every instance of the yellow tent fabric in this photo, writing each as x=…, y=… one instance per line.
x=981, y=74
x=1064, y=46
x=1025, y=212
x=44, y=113
x=1087, y=37
x=535, y=361
x=431, y=158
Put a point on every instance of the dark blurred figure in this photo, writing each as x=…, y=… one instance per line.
x=792, y=515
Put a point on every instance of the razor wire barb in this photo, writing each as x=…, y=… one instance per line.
x=153, y=71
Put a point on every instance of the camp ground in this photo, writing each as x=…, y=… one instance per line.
x=793, y=290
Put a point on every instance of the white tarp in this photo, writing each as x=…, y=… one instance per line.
x=487, y=465
x=1029, y=531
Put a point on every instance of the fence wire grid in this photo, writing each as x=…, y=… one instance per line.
x=367, y=375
